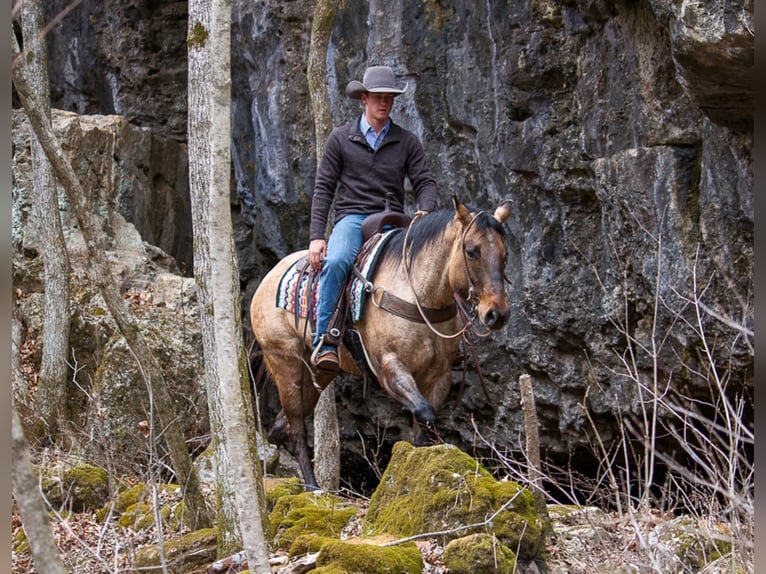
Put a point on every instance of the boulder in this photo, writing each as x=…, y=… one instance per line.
x=443, y=490
x=479, y=554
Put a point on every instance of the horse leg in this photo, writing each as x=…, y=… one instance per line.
x=278, y=434
x=298, y=398
x=435, y=390
x=398, y=382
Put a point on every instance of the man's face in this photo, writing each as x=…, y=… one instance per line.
x=378, y=105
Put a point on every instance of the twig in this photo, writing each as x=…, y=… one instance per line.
x=457, y=528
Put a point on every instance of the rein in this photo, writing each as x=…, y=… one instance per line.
x=468, y=314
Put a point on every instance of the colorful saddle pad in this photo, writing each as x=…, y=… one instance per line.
x=366, y=264
x=298, y=287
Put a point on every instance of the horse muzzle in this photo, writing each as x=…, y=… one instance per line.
x=495, y=317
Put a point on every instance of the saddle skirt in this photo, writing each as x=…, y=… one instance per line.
x=299, y=287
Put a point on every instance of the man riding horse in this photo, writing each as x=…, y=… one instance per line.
x=430, y=284
x=363, y=163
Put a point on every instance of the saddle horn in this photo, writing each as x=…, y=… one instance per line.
x=377, y=221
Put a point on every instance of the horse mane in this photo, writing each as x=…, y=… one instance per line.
x=429, y=229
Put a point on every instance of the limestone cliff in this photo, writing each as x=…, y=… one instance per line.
x=622, y=131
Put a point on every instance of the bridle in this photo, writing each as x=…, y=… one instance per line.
x=468, y=307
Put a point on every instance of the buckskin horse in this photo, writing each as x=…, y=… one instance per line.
x=434, y=280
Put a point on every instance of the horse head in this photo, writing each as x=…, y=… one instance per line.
x=477, y=264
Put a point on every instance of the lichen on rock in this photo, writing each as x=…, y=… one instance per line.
x=322, y=514
x=442, y=489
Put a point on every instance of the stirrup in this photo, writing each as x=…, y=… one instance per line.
x=319, y=345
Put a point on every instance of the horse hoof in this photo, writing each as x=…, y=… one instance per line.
x=424, y=414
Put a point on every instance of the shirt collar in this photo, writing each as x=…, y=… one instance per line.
x=365, y=126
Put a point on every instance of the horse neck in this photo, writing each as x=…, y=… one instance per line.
x=430, y=273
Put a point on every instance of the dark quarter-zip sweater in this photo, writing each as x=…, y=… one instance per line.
x=359, y=177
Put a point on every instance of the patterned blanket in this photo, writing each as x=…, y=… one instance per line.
x=366, y=263
x=298, y=288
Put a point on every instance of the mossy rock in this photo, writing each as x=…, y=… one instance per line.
x=276, y=488
x=86, y=487
x=188, y=553
x=308, y=544
x=82, y=487
x=479, y=554
x=136, y=510
x=339, y=557
x=322, y=514
x=124, y=500
x=695, y=546
x=437, y=488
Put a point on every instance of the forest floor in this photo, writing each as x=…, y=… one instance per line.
x=585, y=541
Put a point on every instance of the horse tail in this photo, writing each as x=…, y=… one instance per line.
x=261, y=382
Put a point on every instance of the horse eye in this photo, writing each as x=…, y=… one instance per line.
x=471, y=252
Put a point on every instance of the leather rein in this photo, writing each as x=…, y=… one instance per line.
x=467, y=306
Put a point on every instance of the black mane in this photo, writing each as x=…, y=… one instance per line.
x=430, y=228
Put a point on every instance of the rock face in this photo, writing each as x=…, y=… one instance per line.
x=129, y=173
x=622, y=131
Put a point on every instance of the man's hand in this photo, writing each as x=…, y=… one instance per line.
x=317, y=253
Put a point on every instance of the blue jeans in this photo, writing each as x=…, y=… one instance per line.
x=342, y=248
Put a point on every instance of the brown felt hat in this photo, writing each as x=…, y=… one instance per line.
x=378, y=79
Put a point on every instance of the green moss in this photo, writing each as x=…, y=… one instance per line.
x=693, y=548
x=197, y=37
x=52, y=489
x=129, y=497
x=438, y=488
x=139, y=515
x=478, y=554
x=321, y=514
x=87, y=485
x=278, y=488
x=187, y=553
x=308, y=544
x=338, y=556
x=122, y=502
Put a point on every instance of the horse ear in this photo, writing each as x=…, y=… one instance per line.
x=503, y=211
x=461, y=211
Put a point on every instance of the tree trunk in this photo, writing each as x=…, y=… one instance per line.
x=51, y=387
x=102, y=276
x=34, y=516
x=31, y=507
x=326, y=432
x=240, y=486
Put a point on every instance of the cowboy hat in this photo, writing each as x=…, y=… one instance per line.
x=378, y=79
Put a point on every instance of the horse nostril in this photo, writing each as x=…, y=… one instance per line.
x=495, y=319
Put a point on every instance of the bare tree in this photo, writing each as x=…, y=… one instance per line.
x=51, y=388
x=34, y=516
x=104, y=280
x=326, y=432
x=24, y=485
x=240, y=486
